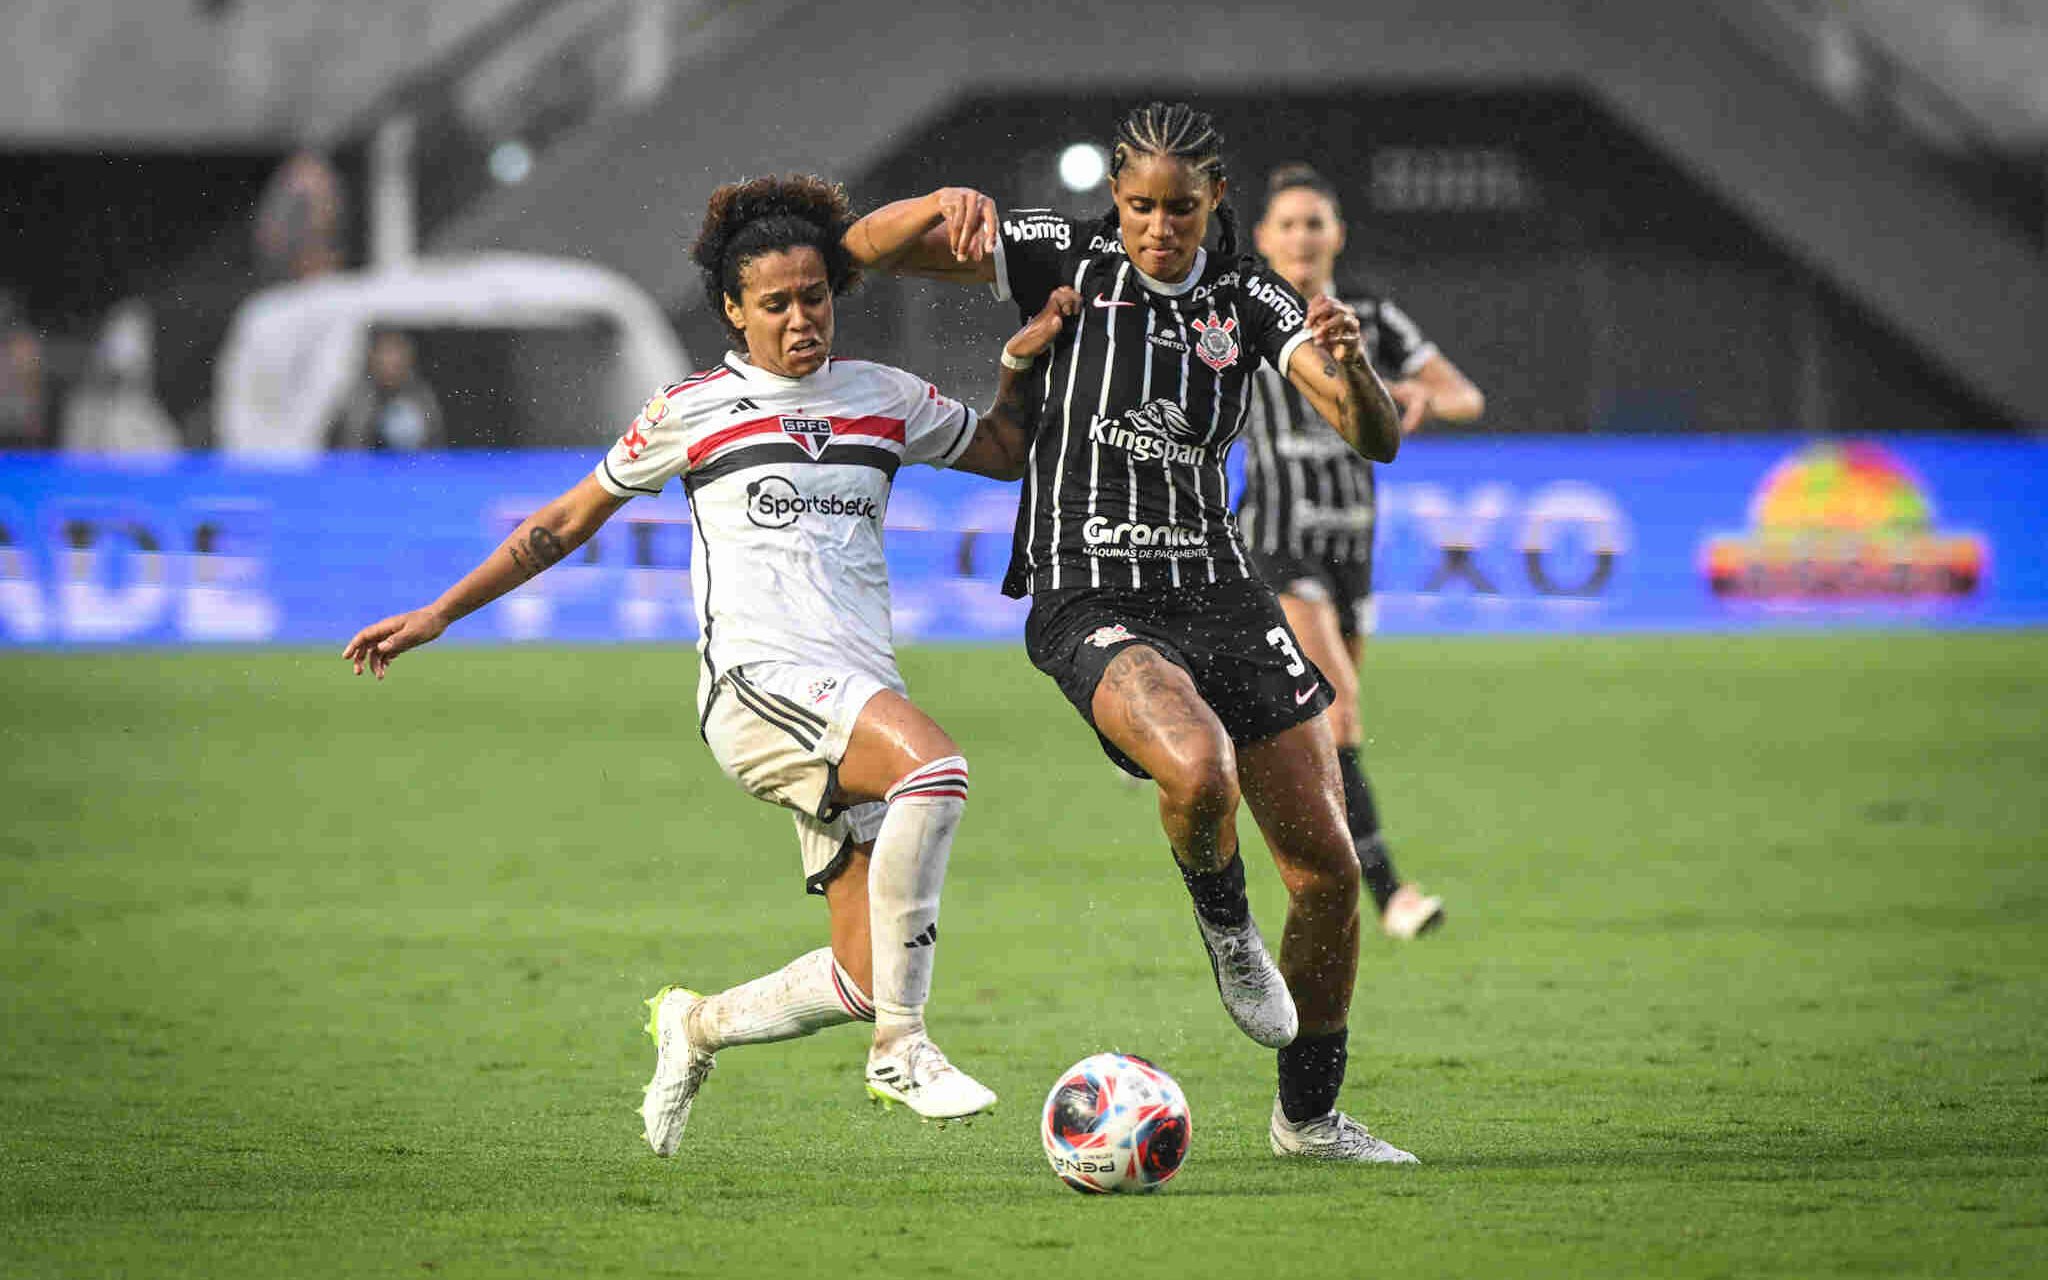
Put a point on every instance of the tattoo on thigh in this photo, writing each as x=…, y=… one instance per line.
x=1152, y=702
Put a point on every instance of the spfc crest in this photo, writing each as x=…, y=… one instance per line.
x=1215, y=341
x=1104, y=637
x=812, y=433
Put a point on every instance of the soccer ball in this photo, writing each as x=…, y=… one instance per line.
x=1115, y=1122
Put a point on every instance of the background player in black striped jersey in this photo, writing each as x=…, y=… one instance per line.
x=1146, y=610
x=1308, y=508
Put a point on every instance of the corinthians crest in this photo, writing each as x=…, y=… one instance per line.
x=1215, y=341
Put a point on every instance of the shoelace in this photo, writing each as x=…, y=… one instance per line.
x=1242, y=958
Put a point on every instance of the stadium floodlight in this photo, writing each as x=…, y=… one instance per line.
x=511, y=162
x=1083, y=166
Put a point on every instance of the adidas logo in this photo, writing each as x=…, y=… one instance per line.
x=744, y=405
x=927, y=938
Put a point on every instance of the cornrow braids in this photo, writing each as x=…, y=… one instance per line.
x=745, y=220
x=1178, y=131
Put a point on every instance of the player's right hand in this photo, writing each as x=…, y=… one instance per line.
x=970, y=222
x=380, y=642
x=1037, y=335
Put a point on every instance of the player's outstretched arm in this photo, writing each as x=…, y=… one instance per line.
x=1438, y=390
x=1001, y=447
x=947, y=235
x=1332, y=371
x=540, y=540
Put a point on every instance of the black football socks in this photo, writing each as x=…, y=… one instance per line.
x=1311, y=1073
x=1364, y=819
x=1219, y=895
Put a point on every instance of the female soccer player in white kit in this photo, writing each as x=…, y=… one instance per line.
x=787, y=454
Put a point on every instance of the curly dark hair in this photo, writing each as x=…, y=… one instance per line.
x=764, y=215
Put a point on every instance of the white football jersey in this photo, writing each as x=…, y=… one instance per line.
x=788, y=481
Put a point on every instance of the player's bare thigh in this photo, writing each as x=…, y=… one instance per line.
x=890, y=738
x=1316, y=625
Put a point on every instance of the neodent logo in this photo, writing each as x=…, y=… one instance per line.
x=774, y=503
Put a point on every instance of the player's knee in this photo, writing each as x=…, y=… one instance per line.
x=1201, y=782
x=943, y=780
x=1326, y=885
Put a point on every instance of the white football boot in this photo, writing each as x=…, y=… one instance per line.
x=679, y=1069
x=1411, y=913
x=1254, y=993
x=914, y=1073
x=1335, y=1136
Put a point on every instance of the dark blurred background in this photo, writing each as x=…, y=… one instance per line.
x=1744, y=216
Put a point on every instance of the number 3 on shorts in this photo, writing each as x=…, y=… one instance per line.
x=1280, y=640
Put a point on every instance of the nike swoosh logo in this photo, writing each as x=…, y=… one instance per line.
x=1106, y=303
x=1306, y=694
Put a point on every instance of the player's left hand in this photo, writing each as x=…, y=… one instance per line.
x=1333, y=327
x=970, y=221
x=1413, y=398
x=1045, y=326
x=380, y=642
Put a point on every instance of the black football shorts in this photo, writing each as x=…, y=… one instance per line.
x=1231, y=639
x=1345, y=583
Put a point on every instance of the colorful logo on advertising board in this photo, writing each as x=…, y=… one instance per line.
x=1843, y=522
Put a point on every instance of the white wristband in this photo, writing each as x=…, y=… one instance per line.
x=1019, y=363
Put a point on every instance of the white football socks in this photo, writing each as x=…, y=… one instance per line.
x=806, y=995
x=905, y=874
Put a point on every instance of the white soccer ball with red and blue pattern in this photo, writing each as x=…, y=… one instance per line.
x=1115, y=1122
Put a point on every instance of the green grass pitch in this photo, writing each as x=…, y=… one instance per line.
x=1746, y=975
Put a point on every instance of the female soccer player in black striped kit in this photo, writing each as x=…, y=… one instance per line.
x=1308, y=507
x=1146, y=609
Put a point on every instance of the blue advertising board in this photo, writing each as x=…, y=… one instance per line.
x=1475, y=535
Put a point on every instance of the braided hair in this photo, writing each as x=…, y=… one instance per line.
x=1178, y=131
x=745, y=220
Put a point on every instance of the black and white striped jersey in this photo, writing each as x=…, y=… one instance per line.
x=1141, y=397
x=1306, y=492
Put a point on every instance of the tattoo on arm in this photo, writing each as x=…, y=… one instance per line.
x=543, y=548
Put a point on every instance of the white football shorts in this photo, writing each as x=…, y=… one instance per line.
x=780, y=729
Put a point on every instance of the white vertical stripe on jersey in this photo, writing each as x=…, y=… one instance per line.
x=1116, y=294
x=1165, y=463
x=1031, y=475
x=1269, y=442
x=1354, y=498
x=1059, y=471
x=1186, y=345
x=1222, y=446
x=1297, y=480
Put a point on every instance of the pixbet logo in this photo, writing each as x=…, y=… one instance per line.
x=775, y=503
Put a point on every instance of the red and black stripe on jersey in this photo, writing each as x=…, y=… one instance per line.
x=1307, y=493
x=1140, y=399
